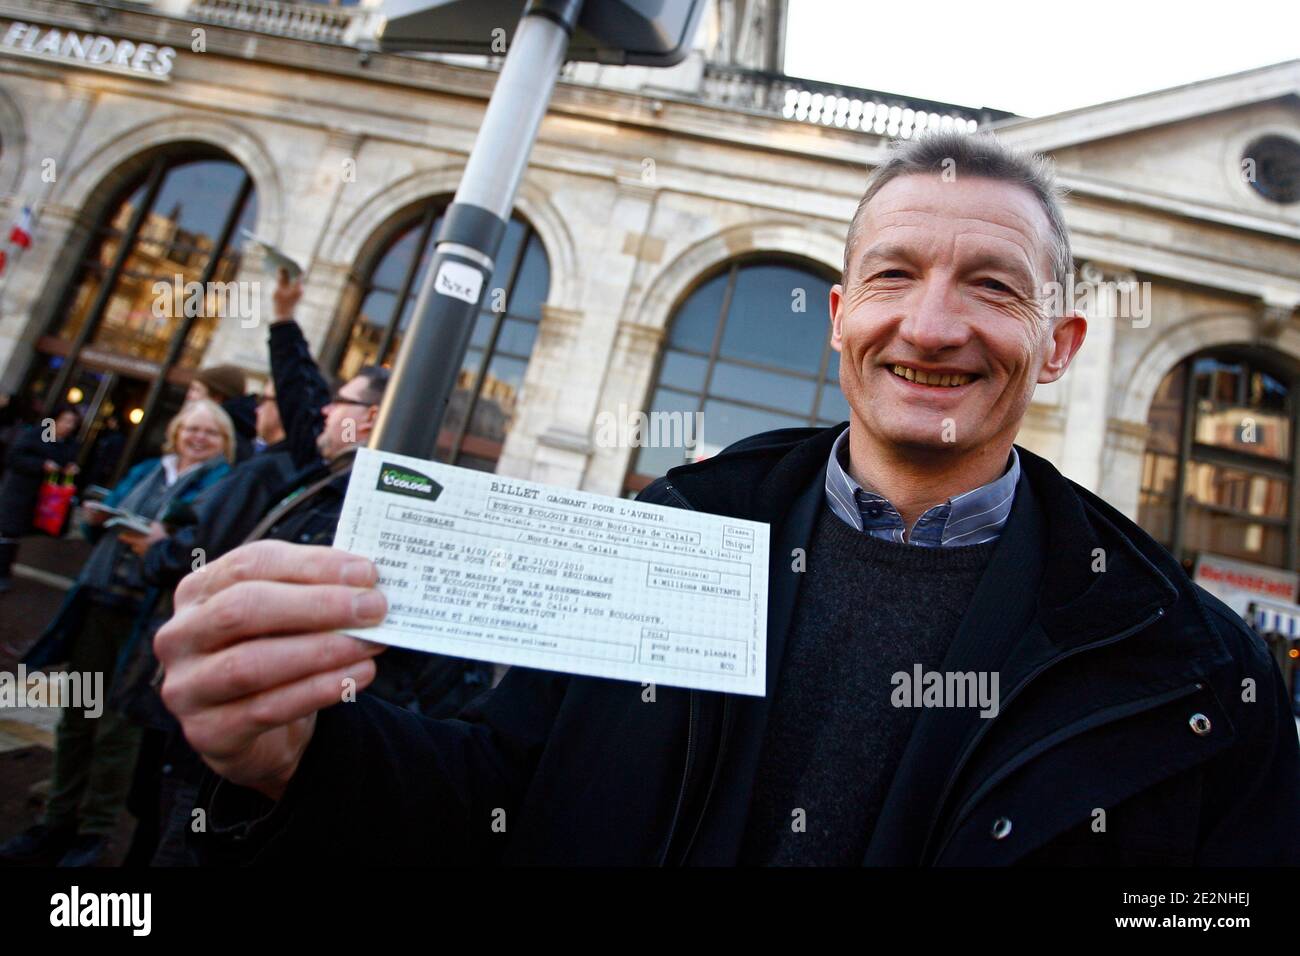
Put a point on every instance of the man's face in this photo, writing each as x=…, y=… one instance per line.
x=348, y=419
x=269, y=427
x=945, y=279
x=196, y=391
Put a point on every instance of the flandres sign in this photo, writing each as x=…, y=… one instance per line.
x=89, y=49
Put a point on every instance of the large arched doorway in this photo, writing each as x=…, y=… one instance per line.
x=1219, y=473
x=122, y=346
x=482, y=409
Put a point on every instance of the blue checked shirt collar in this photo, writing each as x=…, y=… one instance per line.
x=972, y=517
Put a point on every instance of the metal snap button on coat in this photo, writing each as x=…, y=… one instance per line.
x=1200, y=724
x=1001, y=828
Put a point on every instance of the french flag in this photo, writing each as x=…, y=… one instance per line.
x=21, y=233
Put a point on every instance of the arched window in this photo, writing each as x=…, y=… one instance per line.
x=481, y=410
x=747, y=351
x=118, y=346
x=194, y=205
x=1219, y=472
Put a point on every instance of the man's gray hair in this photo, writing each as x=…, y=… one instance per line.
x=973, y=155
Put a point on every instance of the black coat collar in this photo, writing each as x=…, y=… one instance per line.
x=1068, y=572
x=1101, y=572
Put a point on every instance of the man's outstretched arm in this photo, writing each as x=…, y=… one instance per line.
x=265, y=691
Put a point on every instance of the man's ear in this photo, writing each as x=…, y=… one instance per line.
x=837, y=316
x=1068, y=333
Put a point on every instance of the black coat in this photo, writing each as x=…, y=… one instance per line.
x=308, y=508
x=1101, y=675
x=24, y=475
x=243, y=415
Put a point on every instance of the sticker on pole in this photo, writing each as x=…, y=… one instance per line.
x=459, y=281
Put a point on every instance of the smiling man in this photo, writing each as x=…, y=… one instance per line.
x=942, y=332
x=971, y=660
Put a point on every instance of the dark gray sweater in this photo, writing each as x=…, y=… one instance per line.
x=867, y=609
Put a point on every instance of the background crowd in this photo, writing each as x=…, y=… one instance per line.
x=234, y=468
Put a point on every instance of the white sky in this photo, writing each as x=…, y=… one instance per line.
x=1034, y=58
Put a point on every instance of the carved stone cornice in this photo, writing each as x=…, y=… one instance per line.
x=1129, y=435
x=1272, y=316
x=566, y=439
x=636, y=187
x=633, y=336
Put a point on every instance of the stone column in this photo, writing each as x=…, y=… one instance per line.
x=542, y=445
x=37, y=277
x=309, y=211
x=1088, y=380
x=574, y=354
x=636, y=351
x=1121, y=472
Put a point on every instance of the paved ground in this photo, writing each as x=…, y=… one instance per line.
x=45, y=568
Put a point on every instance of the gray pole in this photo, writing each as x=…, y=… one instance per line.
x=457, y=277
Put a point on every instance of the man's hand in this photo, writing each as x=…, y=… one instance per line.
x=249, y=659
x=285, y=297
x=140, y=543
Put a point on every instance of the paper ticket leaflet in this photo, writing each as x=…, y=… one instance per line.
x=480, y=566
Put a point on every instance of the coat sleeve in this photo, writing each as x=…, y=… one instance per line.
x=27, y=456
x=226, y=510
x=1251, y=798
x=383, y=786
x=301, y=391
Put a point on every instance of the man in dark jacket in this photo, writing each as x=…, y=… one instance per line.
x=323, y=429
x=1134, y=719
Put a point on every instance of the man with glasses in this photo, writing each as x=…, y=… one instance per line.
x=324, y=426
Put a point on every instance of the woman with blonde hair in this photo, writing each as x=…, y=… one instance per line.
x=96, y=628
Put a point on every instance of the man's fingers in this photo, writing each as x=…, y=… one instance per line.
x=275, y=561
x=252, y=667
x=256, y=608
x=222, y=732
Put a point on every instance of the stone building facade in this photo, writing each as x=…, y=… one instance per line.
x=646, y=193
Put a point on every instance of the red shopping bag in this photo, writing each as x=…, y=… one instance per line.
x=53, y=503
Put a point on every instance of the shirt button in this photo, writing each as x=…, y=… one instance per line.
x=874, y=511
